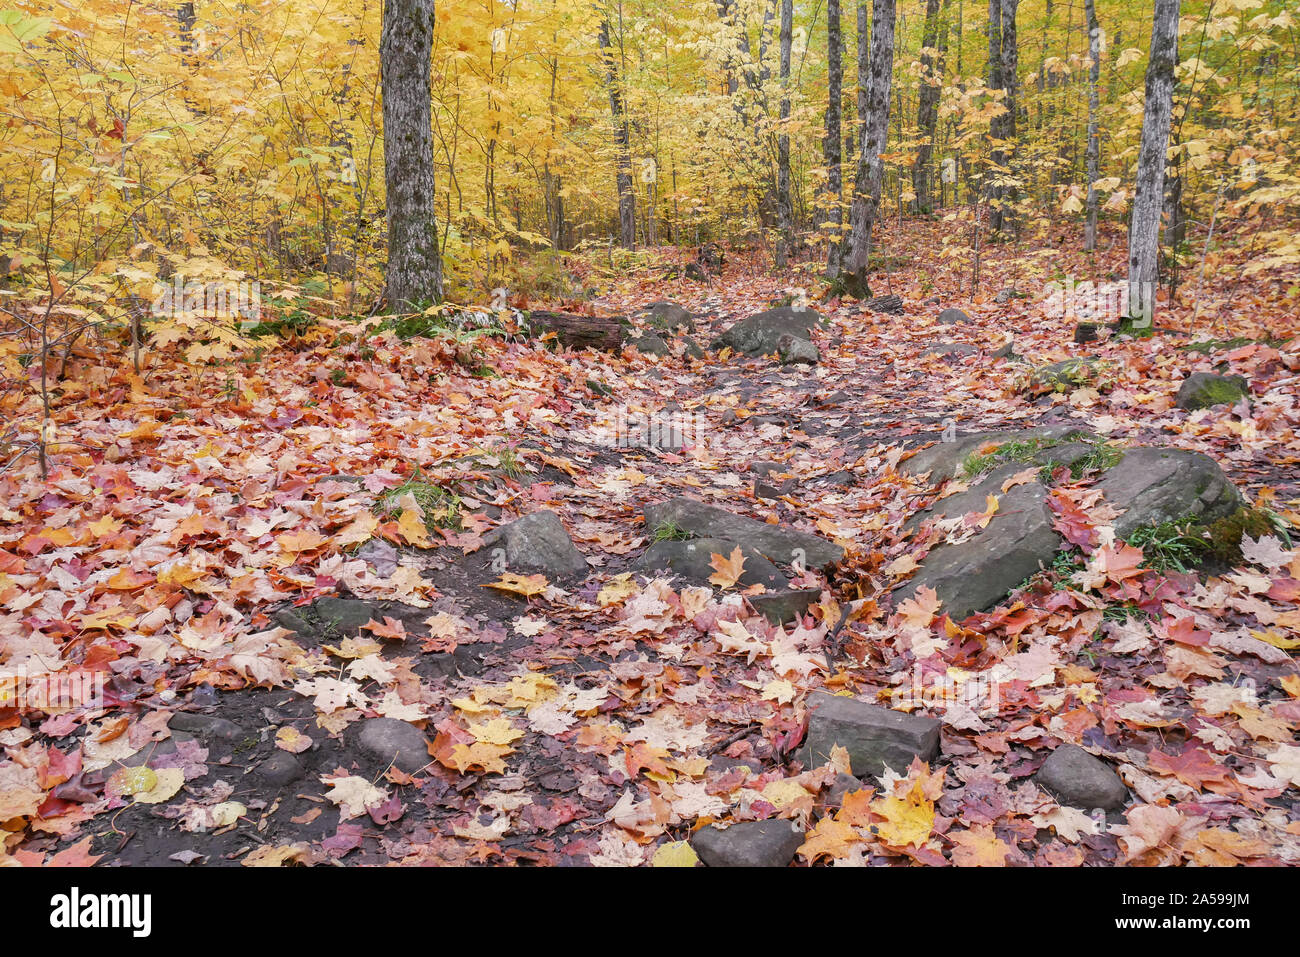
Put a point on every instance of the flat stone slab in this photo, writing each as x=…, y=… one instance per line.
x=1204, y=390
x=944, y=460
x=1161, y=485
x=386, y=740
x=873, y=736
x=1079, y=779
x=760, y=334
x=952, y=316
x=770, y=843
x=777, y=542
x=538, y=543
x=692, y=560
x=784, y=605
x=978, y=573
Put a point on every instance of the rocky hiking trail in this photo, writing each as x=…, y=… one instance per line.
x=833, y=585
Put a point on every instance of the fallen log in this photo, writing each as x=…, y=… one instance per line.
x=580, y=332
x=892, y=305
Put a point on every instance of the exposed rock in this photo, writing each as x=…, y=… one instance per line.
x=669, y=317
x=784, y=605
x=777, y=542
x=841, y=787
x=1086, y=332
x=206, y=727
x=387, y=740
x=944, y=460
x=770, y=843
x=649, y=344
x=977, y=573
x=1006, y=295
x=952, y=316
x=1204, y=390
x=279, y=769
x=333, y=616
x=691, y=348
x=538, y=543
x=761, y=333
x=1159, y=485
x=692, y=559
x=1006, y=351
x=874, y=737
x=950, y=349
x=1078, y=778
x=794, y=350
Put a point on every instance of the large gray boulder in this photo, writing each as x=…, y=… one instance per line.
x=770, y=843
x=1079, y=779
x=760, y=334
x=1157, y=485
x=944, y=460
x=538, y=543
x=777, y=542
x=973, y=575
x=692, y=560
x=1204, y=390
x=668, y=317
x=873, y=736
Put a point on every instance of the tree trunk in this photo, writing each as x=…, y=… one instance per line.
x=864, y=73
x=405, y=48
x=927, y=110
x=1144, y=222
x=834, y=188
x=1093, y=153
x=866, y=186
x=784, y=211
x=622, y=147
x=1003, y=66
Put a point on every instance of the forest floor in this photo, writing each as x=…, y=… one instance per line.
x=192, y=514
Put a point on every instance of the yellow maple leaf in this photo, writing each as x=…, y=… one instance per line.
x=728, y=568
x=526, y=585
x=908, y=819
x=675, y=854
x=412, y=529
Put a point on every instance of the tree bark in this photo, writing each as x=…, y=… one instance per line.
x=414, y=272
x=784, y=208
x=1093, y=152
x=831, y=146
x=622, y=144
x=866, y=186
x=1144, y=222
x=1003, y=67
x=580, y=332
x=927, y=110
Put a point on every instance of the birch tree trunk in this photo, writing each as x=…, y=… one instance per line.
x=622, y=144
x=1093, y=152
x=1144, y=222
x=831, y=147
x=414, y=273
x=784, y=208
x=866, y=186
